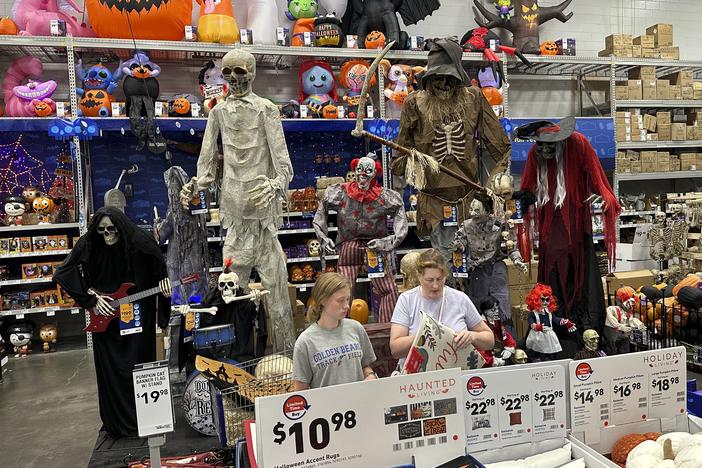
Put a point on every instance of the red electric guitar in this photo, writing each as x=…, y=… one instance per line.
x=98, y=323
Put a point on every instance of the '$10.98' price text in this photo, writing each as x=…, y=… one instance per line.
x=588, y=395
x=318, y=431
x=663, y=385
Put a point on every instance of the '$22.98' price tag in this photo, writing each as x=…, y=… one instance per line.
x=317, y=433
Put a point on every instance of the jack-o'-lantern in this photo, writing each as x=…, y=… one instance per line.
x=43, y=205
x=96, y=103
x=42, y=109
x=330, y=111
x=8, y=27
x=359, y=311
x=549, y=48
x=493, y=95
x=375, y=40
x=147, y=19
x=181, y=106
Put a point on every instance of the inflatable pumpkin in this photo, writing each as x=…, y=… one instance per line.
x=42, y=109
x=147, y=19
x=181, y=106
x=330, y=111
x=8, y=27
x=375, y=40
x=359, y=311
x=549, y=48
x=94, y=101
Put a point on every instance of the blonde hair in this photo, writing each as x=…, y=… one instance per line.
x=432, y=258
x=325, y=287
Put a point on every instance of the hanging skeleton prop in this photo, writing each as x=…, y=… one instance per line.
x=439, y=123
x=524, y=24
x=668, y=239
x=561, y=174
x=363, y=206
x=485, y=240
x=257, y=171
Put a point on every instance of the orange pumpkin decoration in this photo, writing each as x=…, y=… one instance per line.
x=375, y=40
x=148, y=19
x=624, y=445
x=8, y=27
x=181, y=106
x=359, y=311
x=95, y=100
x=652, y=435
x=43, y=205
x=493, y=95
x=689, y=280
x=549, y=48
x=330, y=111
x=42, y=109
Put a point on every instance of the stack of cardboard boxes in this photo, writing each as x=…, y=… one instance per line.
x=656, y=43
x=643, y=84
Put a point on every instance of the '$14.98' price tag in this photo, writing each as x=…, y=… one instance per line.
x=317, y=433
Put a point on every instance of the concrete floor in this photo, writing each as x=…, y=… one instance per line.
x=49, y=410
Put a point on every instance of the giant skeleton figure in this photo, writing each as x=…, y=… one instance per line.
x=256, y=174
x=481, y=237
x=443, y=121
x=363, y=206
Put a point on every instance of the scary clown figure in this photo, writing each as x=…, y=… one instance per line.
x=620, y=322
x=562, y=173
x=481, y=237
x=505, y=344
x=114, y=251
x=445, y=120
x=591, y=343
x=255, y=177
x=363, y=206
x=541, y=338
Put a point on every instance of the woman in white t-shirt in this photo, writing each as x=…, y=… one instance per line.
x=444, y=304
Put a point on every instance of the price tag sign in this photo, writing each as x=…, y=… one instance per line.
x=498, y=413
x=152, y=394
x=50, y=313
x=373, y=423
x=626, y=388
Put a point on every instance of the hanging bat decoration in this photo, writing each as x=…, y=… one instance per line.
x=525, y=22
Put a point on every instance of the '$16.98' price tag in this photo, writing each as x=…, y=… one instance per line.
x=317, y=433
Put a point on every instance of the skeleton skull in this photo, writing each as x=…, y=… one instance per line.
x=108, y=231
x=228, y=283
x=408, y=268
x=503, y=185
x=239, y=69
x=365, y=172
x=519, y=357
x=660, y=217
x=351, y=176
x=546, y=150
x=313, y=247
x=442, y=87
x=591, y=339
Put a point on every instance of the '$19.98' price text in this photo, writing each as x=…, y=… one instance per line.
x=318, y=431
x=152, y=397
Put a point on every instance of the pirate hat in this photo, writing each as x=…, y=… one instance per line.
x=445, y=60
x=545, y=131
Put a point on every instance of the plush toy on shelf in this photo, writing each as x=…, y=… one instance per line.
x=213, y=87
x=328, y=31
x=21, y=100
x=217, y=22
x=33, y=17
x=317, y=85
x=163, y=20
x=141, y=90
x=303, y=13
x=352, y=75
x=8, y=27
x=97, y=93
x=43, y=206
x=49, y=335
x=400, y=82
x=14, y=209
x=21, y=337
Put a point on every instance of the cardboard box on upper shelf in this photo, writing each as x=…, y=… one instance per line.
x=636, y=51
x=623, y=166
x=621, y=93
x=694, y=132
x=652, y=137
x=649, y=161
x=662, y=34
x=649, y=122
x=651, y=53
x=649, y=90
x=663, y=117
x=634, y=279
x=674, y=162
x=688, y=92
x=646, y=41
x=635, y=90
x=633, y=155
x=699, y=160
x=676, y=92
x=617, y=51
x=636, y=167
x=679, y=132
x=683, y=78
x=663, y=90
x=665, y=132
x=663, y=162
x=616, y=40
x=670, y=53
x=642, y=73
x=688, y=161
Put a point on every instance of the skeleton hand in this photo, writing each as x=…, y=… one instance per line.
x=328, y=247
x=498, y=362
x=523, y=267
x=187, y=193
x=373, y=244
x=507, y=353
x=166, y=289
x=264, y=192
x=456, y=246
x=102, y=306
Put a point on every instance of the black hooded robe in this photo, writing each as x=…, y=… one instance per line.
x=137, y=259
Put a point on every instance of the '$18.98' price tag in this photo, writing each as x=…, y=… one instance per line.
x=317, y=432
x=663, y=385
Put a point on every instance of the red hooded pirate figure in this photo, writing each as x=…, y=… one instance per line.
x=563, y=173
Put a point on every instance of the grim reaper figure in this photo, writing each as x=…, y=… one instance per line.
x=445, y=120
x=112, y=252
x=256, y=174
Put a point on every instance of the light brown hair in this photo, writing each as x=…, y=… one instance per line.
x=432, y=258
x=325, y=287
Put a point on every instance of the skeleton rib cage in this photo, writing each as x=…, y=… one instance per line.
x=450, y=140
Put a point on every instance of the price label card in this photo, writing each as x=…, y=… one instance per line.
x=372, y=423
x=370, y=111
x=626, y=388
x=152, y=394
x=498, y=413
x=50, y=313
x=19, y=316
x=129, y=319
